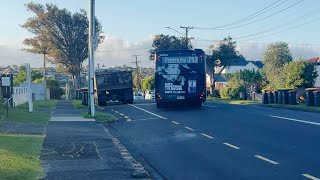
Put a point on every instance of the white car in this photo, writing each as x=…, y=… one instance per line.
x=137, y=95
x=150, y=95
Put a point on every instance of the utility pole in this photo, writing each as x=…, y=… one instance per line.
x=44, y=77
x=138, y=69
x=29, y=87
x=187, y=29
x=92, y=41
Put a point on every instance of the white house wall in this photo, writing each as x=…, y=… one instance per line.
x=317, y=84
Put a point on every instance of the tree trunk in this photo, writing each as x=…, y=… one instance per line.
x=212, y=85
x=77, y=81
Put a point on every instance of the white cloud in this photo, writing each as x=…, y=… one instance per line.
x=15, y=55
x=116, y=51
x=254, y=51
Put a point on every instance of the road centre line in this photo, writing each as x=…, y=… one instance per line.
x=310, y=177
x=148, y=111
x=232, y=146
x=296, y=120
x=189, y=128
x=116, y=111
x=129, y=120
x=174, y=122
x=145, y=104
x=121, y=114
x=126, y=117
x=206, y=135
x=266, y=159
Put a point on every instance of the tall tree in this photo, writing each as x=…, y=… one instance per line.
x=299, y=73
x=222, y=55
x=63, y=34
x=165, y=42
x=274, y=58
x=148, y=83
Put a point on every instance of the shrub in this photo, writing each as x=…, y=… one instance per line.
x=224, y=93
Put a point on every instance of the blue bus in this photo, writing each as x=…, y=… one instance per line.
x=180, y=77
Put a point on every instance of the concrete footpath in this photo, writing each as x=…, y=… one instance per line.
x=78, y=148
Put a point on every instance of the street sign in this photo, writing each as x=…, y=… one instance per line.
x=5, y=81
x=95, y=42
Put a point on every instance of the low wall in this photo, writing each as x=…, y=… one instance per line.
x=19, y=96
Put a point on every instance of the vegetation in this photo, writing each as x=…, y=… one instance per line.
x=40, y=104
x=242, y=82
x=19, y=157
x=165, y=42
x=299, y=73
x=148, y=83
x=21, y=113
x=301, y=106
x=54, y=37
x=77, y=104
x=36, y=76
x=275, y=57
x=55, y=90
x=2, y=111
x=230, y=101
x=100, y=116
x=222, y=55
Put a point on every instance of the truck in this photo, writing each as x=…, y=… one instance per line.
x=113, y=85
x=180, y=77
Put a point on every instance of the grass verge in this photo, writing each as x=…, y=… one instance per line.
x=22, y=114
x=19, y=157
x=302, y=107
x=40, y=104
x=77, y=104
x=100, y=116
x=231, y=101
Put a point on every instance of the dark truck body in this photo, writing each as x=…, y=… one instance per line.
x=113, y=84
x=180, y=77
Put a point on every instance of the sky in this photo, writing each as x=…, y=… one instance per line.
x=130, y=25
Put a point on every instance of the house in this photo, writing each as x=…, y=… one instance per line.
x=235, y=67
x=316, y=61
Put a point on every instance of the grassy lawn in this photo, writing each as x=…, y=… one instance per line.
x=22, y=114
x=302, y=106
x=100, y=116
x=41, y=104
x=231, y=101
x=77, y=104
x=19, y=157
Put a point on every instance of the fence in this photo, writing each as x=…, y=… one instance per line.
x=20, y=95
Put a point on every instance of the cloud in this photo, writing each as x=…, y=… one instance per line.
x=254, y=51
x=115, y=51
x=15, y=55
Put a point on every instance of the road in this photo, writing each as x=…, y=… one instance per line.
x=222, y=141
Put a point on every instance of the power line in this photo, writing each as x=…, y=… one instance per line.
x=257, y=13
x=283, y=25
x=215, y=28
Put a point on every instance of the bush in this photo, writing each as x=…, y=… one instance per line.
x=2, y=111
x=224, y=93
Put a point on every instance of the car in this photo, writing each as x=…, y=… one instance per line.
x=150, y=95
x=137, y=95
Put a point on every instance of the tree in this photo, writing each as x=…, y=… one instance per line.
x=299, y=73
x=63, y=34
x=222, y=55
x=243, y=82
x=21, y=77
x=274, y=58
x=148, y=83
x=136, y=80
x=163, y=42
x=55, y=91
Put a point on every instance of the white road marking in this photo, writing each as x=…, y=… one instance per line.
x=112, y=110
x=266, y=159
x=145, y=104
x=129, y=120
x=174, y=122
x=146, y=119
x=148, y=111
x=121, y=114
x=116, y=111
x=189, y=128
x=310, y=177
x=206, y=135
x=232, y=146
x=126, y=117
x=296, y=120
x=209, y=106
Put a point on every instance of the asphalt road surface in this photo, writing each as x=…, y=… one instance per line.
x=223, y=141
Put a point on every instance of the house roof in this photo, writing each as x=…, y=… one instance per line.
x=314, y=60
x=220, y=79
x=259, y=64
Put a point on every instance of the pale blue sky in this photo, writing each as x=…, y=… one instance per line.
x=133, y=21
